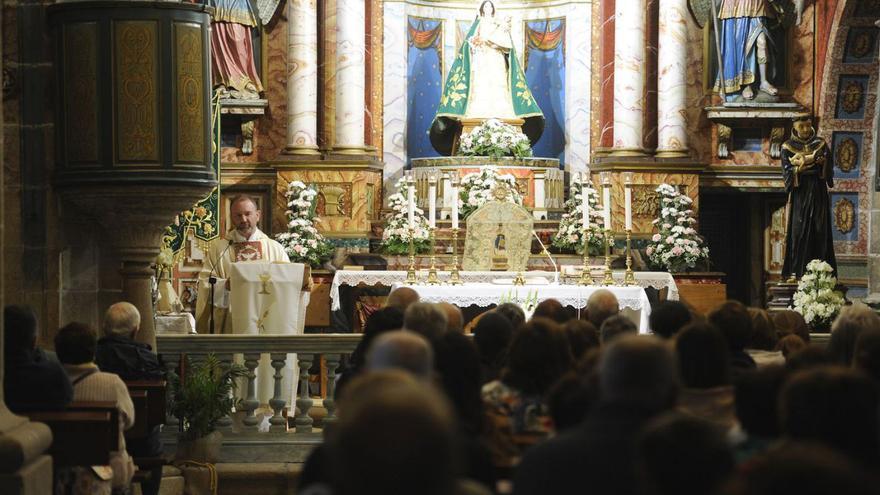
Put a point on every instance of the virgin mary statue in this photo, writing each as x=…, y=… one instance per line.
x=485, y=82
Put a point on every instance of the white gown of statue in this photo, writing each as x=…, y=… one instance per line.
x=490, y=77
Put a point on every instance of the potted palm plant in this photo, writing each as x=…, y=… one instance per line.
x=199, y=400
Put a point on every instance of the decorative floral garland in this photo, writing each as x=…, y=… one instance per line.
x=676, y=247
x=571, y=225
x=816, y=298
x=395, y=237
x=302, y=241
x=476, y=189
x=495, y=139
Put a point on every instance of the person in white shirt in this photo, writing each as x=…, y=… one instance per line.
x=75, y=346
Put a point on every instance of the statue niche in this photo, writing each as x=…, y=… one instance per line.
x=485, y=82
x=499, y=237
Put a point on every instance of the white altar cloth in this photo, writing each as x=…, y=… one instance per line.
x=487, y=294
x=657, y=280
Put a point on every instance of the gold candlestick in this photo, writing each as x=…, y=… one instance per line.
x=608, y=280
x=411, y=278
x=454, y=277
x=586, y=279
x=629, y=277
x=432, y=271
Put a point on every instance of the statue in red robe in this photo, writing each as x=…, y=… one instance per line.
x=232, y=63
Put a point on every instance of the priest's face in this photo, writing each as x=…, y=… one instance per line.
x=245, y=216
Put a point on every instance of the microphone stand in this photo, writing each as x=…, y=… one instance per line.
x=212, y=280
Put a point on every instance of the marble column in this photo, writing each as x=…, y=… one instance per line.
x=350, y=76
x=302, y=77
x=630, y=21
x=671, y=80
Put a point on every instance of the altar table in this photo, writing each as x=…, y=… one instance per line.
x=657, y=280
x=487, y=294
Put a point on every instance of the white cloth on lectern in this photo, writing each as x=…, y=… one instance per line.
x=267, y=299
x=220, y=254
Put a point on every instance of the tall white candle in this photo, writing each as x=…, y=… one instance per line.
x=585, y=202
x=432, y=201
x=411, y=204
x=454, y=204
x=606, y=198
x=627, y=198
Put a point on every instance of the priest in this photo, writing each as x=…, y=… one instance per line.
x=245, y=242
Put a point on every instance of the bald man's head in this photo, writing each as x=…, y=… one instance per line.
x=454, y=318
x=401, y=298
x=401, y=350
x=601, y=305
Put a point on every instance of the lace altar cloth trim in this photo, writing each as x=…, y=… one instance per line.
x=656, y=280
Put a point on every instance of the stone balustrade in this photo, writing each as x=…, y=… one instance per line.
x=241, y=443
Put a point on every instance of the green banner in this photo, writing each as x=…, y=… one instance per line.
x=203, y=219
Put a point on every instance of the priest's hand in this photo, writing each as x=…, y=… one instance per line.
x=227, y=284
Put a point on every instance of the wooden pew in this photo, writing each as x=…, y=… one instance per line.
x=148, y=397
x=83, y=434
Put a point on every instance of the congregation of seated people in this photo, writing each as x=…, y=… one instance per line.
x=84, y=369
x=734, y=402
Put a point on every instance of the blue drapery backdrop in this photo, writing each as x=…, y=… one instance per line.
x=545, y=72
x=424, y=74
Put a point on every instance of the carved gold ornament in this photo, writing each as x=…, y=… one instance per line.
x=852, y=97
x=844, y=216
x=845, y=155
x=645, y=201
x=862, y=44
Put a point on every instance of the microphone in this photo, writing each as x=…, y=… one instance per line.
x=544, y=248
x=213, y=281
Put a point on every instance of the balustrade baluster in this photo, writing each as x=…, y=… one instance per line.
x=171, y=362
x=278, y=422
x=330, y=401
x=303, y=421
x=250, y=404
x=225, y=423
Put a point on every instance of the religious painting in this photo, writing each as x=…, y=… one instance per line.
x=188, y=291
x=461, y=30
x=774, y=238
x=424, y=74
x=499, y=237
x=544, y=62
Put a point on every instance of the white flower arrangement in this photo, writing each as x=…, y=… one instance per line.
x=395, y=237
x=495, y=139
x=302, y=241
x=816, y=300
x=476, y=189
x=571, y=225
x=676, y=247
